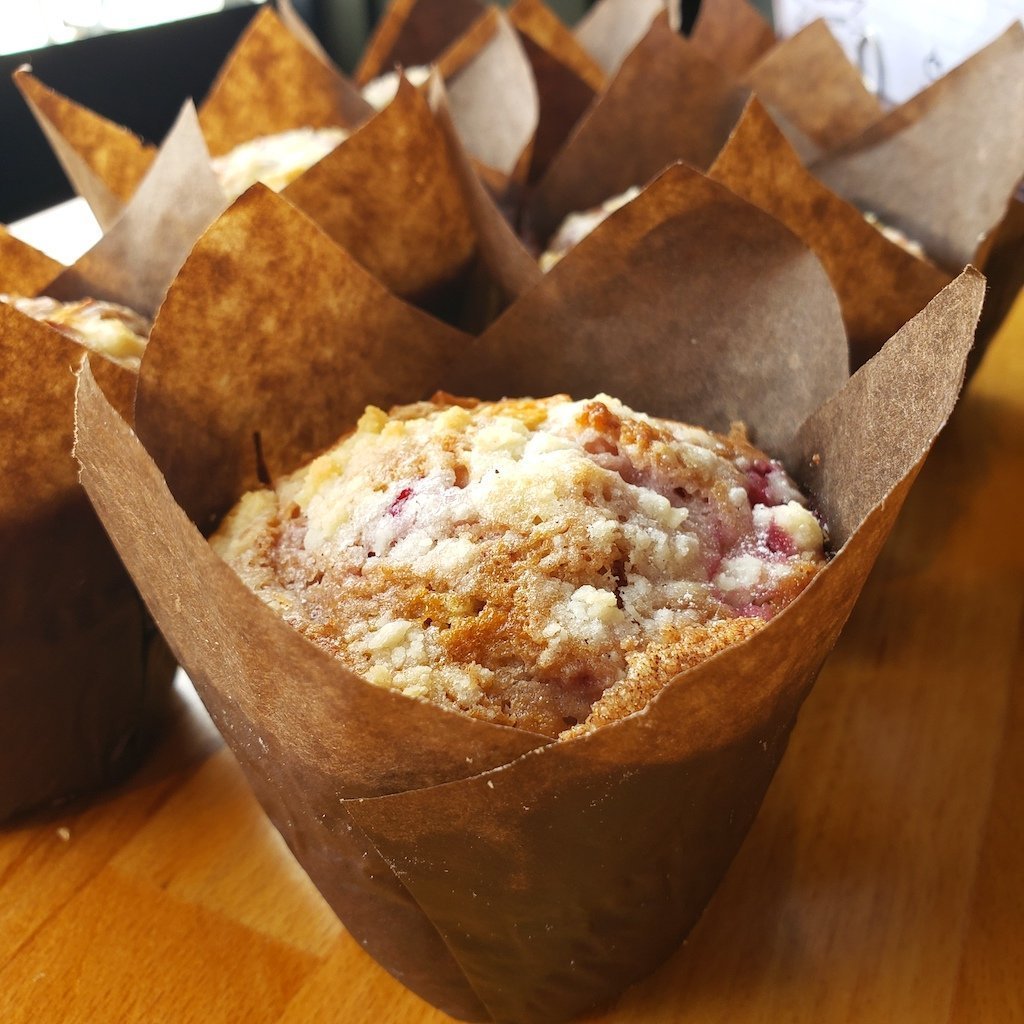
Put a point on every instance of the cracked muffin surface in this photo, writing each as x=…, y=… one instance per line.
x=546, y=564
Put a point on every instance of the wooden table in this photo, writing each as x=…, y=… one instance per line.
x=883, y=880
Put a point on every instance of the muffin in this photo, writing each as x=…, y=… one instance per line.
x=544, y=564
x=380, y=91
x=894, y=235
x=275, y=160
x=577, y=226
x=106, y=328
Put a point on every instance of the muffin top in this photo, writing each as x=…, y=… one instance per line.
x=546, y=564
x=380, y=91
x=577, y=226
x=115, y=332
x=897, y=237
x=275, y=160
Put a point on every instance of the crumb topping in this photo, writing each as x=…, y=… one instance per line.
x=547, y=564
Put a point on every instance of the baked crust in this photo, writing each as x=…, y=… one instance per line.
x=545, y=564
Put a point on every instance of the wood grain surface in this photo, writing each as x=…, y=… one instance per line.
x=883, y=880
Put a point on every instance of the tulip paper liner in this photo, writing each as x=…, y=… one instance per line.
x=418, y=31
x=577, y=865
x=411, y=227
x=412, y=32
x=270, y=82
x=880, y=285
x=814, y=92
x=567, y=77
x=638, y=126
x=611, y=29
x=23, y=269
x=943, y=166
x=732, y=33
x=82, y=673
x=80, y=676
x=495, y=107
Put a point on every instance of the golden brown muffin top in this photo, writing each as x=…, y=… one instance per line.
x=546, y=564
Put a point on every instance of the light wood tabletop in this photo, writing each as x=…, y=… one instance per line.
x=883, y=880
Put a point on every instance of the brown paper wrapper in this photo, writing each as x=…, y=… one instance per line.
x=81, y=675
x=732, y=34
x=411, y=228
x=1004, y=272
x=135, y=261
x=494, y=106
x=103, y=161
x=880, y=285
x=638, y=126
x=270, y=82
x=500, y=875
x=611, y=29
x=23, y=269
x=414, y=32
x=813, y=91
x=943, y=166
x=566, y=76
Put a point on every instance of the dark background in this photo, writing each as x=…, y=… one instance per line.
x=138, y=78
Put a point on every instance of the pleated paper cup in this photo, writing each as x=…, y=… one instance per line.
x=881, y=285
x=83, y=675
x=271, y=82
x=943, y=168
x=501, y=875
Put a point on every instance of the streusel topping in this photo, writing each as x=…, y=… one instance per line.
x=547, y=564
